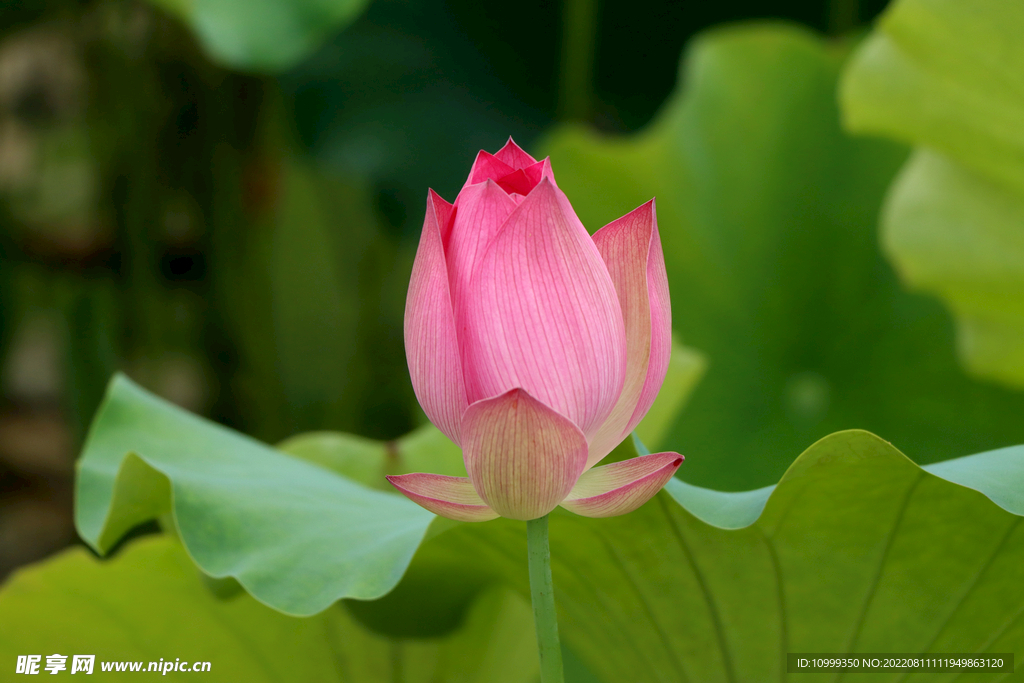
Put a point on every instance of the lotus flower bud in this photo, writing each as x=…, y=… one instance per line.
x=535, y=347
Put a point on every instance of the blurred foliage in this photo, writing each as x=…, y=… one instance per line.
x=158, y=188
x=767, y=211
x=947, y=77
x=408, y=95
x=213, y=260
x=262, y=35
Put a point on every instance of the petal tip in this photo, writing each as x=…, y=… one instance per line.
x=622, y=487
x=545, y=189
x=434, y=196
x=451, y=497
x=514, y=155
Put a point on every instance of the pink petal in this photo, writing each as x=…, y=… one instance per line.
x=451, y=497
x=514, y=156
x=517, y=182
x=503, y=169
x=621, y=487
x=542, y=315
x=480, y=212
x=522, y=457
x=523, y=180
x=631, y=248
x=543, y=167
x=487, y=166
x=431, y=344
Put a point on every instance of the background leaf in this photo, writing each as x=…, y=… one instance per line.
x=309, y=295
x=262, y=35
x=150, y=603
x=408, y=95
x=767, y=212
x=947, y=76
x=296, y=536
x=426, y=449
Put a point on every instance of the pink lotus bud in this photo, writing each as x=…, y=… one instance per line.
x=535, y=347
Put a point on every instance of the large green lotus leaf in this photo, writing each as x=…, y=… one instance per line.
x=432, y=598
x=149, y=603
x=263, y=35
x=767, y=211
x=949, y=76
x=857, y=549
x=298, y=537
x=824, y=534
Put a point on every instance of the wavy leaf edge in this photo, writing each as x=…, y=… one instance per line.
x=112, y=500
x=998, y=475
x=740, y=509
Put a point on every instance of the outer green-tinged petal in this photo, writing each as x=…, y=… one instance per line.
x=544, y=316
x=631, y=248
x=522, y=456
x=622, y=486
x=451, y=497
x=431, y=344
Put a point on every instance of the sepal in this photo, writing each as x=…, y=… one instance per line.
x=451, y=497
x=621, y=487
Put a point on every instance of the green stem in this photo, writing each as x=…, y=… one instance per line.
x=543, y=594
x=579, y=32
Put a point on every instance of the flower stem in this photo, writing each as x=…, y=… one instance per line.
x=543, y=595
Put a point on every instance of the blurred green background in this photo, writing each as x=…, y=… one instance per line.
x=223, y=200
